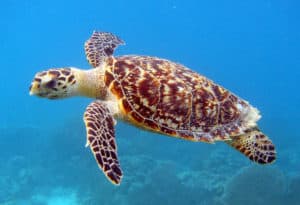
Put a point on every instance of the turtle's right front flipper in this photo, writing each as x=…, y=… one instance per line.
x=101, y=138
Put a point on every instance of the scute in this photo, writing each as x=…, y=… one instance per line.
x=169, y=98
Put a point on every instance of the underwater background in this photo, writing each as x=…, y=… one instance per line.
x=250, y=47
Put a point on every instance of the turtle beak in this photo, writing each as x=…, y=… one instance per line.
x=34, y=87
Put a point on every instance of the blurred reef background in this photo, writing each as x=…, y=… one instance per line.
x=250, y=47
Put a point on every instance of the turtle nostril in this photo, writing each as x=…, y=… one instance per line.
x=38, y=80
x=30, y=87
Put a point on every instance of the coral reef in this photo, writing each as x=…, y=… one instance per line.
x=256, y=185
x=55, y=168
x=293, y=196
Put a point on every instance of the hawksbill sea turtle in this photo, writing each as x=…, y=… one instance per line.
x=154, y=94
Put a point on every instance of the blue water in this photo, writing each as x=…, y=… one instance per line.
x=250, y=47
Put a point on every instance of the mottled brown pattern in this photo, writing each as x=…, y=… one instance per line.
x=169, y=98
x=255, y=145
x=100, y=46
x=101, y=139
x=57, y=85
x=54, y=73
x=155, y=94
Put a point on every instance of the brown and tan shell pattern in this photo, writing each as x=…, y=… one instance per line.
x=169, y=98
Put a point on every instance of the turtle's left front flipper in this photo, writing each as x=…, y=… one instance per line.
x=100, y=46
x=101, y=138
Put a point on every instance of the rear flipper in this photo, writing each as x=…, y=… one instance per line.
x=255, y=145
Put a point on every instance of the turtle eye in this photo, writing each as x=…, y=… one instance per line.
x=50, y=84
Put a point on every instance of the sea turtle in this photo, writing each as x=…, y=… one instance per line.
x=155, y=94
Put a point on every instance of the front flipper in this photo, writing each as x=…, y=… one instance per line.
x=101, y=138
x=255, y=145
x=100, y=46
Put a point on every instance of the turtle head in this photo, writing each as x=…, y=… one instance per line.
x=60, y=83
x=54, y=83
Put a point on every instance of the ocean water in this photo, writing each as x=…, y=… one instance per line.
x=250, y=47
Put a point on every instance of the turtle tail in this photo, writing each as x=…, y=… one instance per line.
x=255, y=145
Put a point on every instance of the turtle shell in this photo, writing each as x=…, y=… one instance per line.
x=169, y=98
